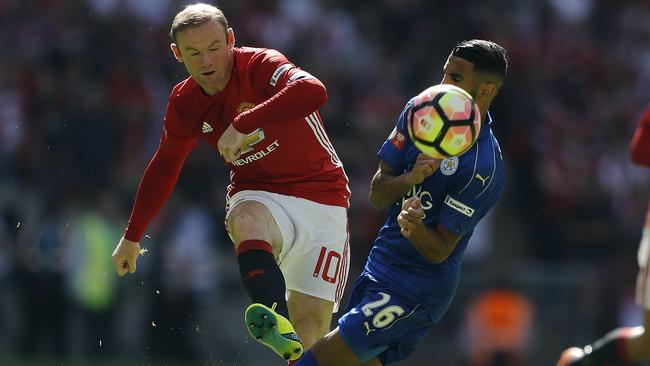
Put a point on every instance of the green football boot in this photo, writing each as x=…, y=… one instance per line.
x=273, y=330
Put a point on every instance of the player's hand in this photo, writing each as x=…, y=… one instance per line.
x=230, y=144
x=410, y=218
x=424, y=167
x=125, y=255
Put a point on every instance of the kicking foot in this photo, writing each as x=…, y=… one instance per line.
x=274, y=331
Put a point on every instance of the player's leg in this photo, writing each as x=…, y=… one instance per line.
x=315, y=267
x=332, y=350
x=379, y=327
x=638, y=346
x=311, y=316
x=645, y=353
x=621, y=346
x=638, y=343
x=643, y=346
x=315, y=282
x=258, y=241
x=569, y=356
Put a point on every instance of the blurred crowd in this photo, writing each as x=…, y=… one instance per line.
x=83, y=88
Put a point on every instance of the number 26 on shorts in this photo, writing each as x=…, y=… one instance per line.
x=385, y=316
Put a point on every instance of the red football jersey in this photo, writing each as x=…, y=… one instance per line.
x=276, y=104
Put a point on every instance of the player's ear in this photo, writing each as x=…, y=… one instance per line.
x=486, y=91
x=177, y=52
x=230, y=37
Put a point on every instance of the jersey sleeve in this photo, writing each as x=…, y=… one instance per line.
x=173, y=121
x=467, y=201
x=159, y=178
x=271, y=72
x=292, y=93
x=393, y=150
x=640, y=146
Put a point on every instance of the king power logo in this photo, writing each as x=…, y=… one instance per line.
x=425, y=198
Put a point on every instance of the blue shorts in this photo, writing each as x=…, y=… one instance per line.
x=380, y=322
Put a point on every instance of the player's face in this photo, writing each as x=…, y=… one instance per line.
x=206, y=52
x=460, y=72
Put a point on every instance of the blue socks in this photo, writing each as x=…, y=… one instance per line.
x=307, y=359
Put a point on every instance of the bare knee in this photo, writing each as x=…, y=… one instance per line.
x=253, y=221
x=244, y=225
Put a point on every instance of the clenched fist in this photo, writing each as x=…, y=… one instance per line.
x=230, y=144
x=410, y=218
x=424, y=166
x=125, y=256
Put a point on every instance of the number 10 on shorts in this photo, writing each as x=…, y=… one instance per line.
x=325, y=264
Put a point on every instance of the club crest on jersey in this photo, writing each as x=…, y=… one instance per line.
x=245, y=106
x=449, y=166
x=206, y=128
x=397, y=138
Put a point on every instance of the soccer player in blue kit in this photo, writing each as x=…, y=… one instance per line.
x=433, y=206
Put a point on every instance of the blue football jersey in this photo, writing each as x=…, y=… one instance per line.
x=456, y=196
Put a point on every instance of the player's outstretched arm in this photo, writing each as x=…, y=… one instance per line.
x=125, y=256
x=388, y=186
x=156, y=186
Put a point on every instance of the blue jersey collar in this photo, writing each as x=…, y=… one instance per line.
x=486, y=126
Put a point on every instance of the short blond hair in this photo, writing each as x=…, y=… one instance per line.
x=194, y=15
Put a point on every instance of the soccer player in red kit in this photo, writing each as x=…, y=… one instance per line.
x=287, y=203
x=625, y=346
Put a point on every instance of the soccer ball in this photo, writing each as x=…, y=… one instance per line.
x=444, y=121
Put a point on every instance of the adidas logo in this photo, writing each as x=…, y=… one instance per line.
x=207, y=128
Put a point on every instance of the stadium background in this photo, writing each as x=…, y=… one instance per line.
x=83, y=87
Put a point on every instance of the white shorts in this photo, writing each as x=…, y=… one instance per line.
x=315, y=250
x=643, y=279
